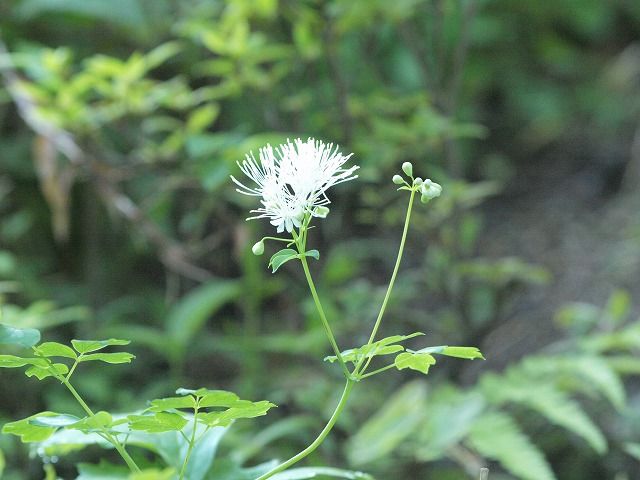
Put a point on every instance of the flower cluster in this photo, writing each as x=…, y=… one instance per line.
x=292, y=180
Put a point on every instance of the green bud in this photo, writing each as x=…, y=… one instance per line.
x=258, y=248
x=398, y=180
x=407, y=168
x=321, y=212
x=417, y=181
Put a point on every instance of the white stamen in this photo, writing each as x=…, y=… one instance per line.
x=292, y=180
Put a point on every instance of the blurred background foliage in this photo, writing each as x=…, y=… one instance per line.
x=121, y=120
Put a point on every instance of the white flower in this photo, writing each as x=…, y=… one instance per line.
x=429, y=190
x=292, y=180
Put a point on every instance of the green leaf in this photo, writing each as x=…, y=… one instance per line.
x=468, y=353
x=211, y=398
x=54, y=421
x=53, y=349
x=381, y=347
x=495, y=435
x=169, y=403
x=246, y=410
x=11, y=361
x=113, y=358
x=86, y=346
x=157, y=423
x=49, y=371
x=28, y=432
x=95, y=423
x=280, y=258
x=313, y=254
x=25, y=337
x=217, y=398
x=102, y=471
x=415, y=361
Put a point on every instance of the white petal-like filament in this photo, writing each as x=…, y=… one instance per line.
x=292, y=179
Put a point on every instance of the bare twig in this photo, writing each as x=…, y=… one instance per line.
x=171, y=253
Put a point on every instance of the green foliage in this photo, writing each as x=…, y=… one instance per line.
x=15, y=336
x=227, y=407
x=386, y=346
x=415, y=361
x=163, y=97
x=86, y=346
x=283, y=256
x=492, y=418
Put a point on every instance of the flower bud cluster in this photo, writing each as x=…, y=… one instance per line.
x=428, y=189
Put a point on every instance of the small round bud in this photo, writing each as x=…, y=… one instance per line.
x=321, y=211
x=407, y=168
x=430, y=189
x=398, y=180
x=417, y=181
x=258, y=248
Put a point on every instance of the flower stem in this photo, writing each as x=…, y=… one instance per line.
x=323, y=317
x=320, y=438
x=392, y=281
x=379, y=370
x=301, y=241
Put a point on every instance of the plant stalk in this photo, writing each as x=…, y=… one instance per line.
x=305, y=266
x=393, y=278
x=320, y=438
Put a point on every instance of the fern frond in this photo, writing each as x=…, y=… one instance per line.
x=496, y=435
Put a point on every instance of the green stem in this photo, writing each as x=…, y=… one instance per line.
x=316, y=299
x=393, y=278
x=277, y=239
x=112, y=439
x=73, y=367
x=319, y=439
x=371, y=374
x=192, y=443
